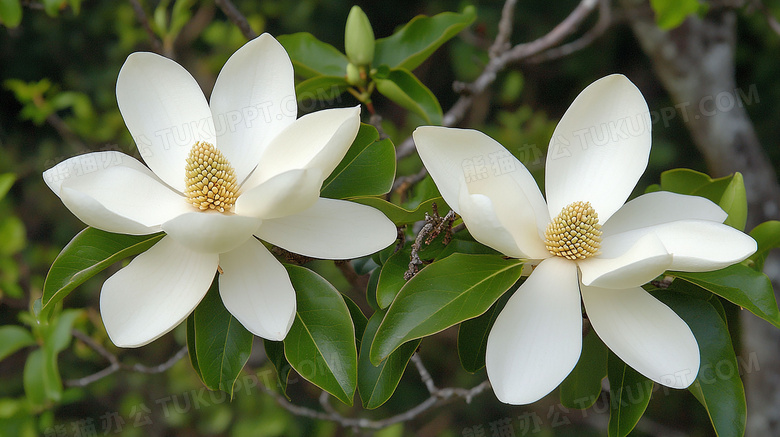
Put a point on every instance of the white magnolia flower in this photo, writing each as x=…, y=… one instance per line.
x=591, y=246
x=220, y=174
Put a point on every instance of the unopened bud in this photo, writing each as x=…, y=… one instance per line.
x=359, y=37
x=353, y=74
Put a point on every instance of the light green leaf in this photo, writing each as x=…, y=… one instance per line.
x=767, y=235
x=376, y=384
x=734, y=202
x=13, y=236
x=13, y=338
x=368, y=168
x=473, y=335
x=321, y=88
x=728, y=192
x=445, y=293
x=312, y=57
x=740, y=285
x=418, y=39
x=397, y=214
x=52, y=7
x=321, y=343
x=671, y=13
x=6, y=180
x=718, y=385
x=629, y=394
x=36, y=383
x=10, y=14
x=222, y=344
x=582, y=387
x=87, y=254
x=406, y=90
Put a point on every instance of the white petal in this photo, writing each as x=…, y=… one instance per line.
x=619, y=266
x=135, y=195
x=165, y=111
x=252, y=101
x=155, y=292
x=87, y=163
x=331, y=229
x=662, y=207
x=459, y=158
x=92, y=213
x=599, y=148
x=479, y=215
x=537, y=338
x=211, y=232
x=284, y=194
x=315, y=141
x=257, y=291
x=702, y=246
x=644, y=333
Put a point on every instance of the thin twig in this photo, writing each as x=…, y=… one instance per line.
x=140, y=14
x=237, y=18
x=424, y=374
x=115, y=365
x=434, y=225
x=605, y=20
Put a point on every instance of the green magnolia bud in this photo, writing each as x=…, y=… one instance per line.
x=353, y=74
x=359, y=37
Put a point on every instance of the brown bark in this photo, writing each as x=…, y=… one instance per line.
x=695, y=63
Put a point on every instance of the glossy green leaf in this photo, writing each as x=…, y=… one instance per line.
x=582, y=387
x=35, y=380
x=274, y=350
x=13, y=338
x=368, y=168
x=312, y=57
x=728, y=192
x=359, y=320
x=321, y=88
x=629, y=394
x=87, y=254
x=402, y=87
x=445, y=293
x=10, y=14
x=377, y=383
x=391, y=277
x=6, y=179
x=58, y=334
x=740, y=285
x=671, y=13
x=767, y=235
x=321, y=343
x=473, y=335
x=13, y=236
x=419, y=38
x=191, y=345
x=397, y=214
x=222, y=344
x=373, y=280
x=718, y=385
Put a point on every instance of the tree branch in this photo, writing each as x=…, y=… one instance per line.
x=140, y=14
x=237, y=18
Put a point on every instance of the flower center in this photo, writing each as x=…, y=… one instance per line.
x=575, y=233
x=210, y=179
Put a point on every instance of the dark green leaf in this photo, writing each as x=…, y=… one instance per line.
x=718, y=386
x=312, y=57
x=767, y=235
x=321, y=88
x=373, y=280
x=321, y=343
x=473, y=335
x=87, y=254
x=418, y=39
x=368, y=168
x=406, y=90
x=191, y=345
x=358, y=318
x=582, y=387
x=377, y=383
x=399, y=215
x=13, y=338
x=740, y=285
x=391, y=278
x=274, y=350
x=222, y=344
x=10, y=15
x=445, y=293
x=629, y=394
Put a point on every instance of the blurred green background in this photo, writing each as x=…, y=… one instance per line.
x=57, y=75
